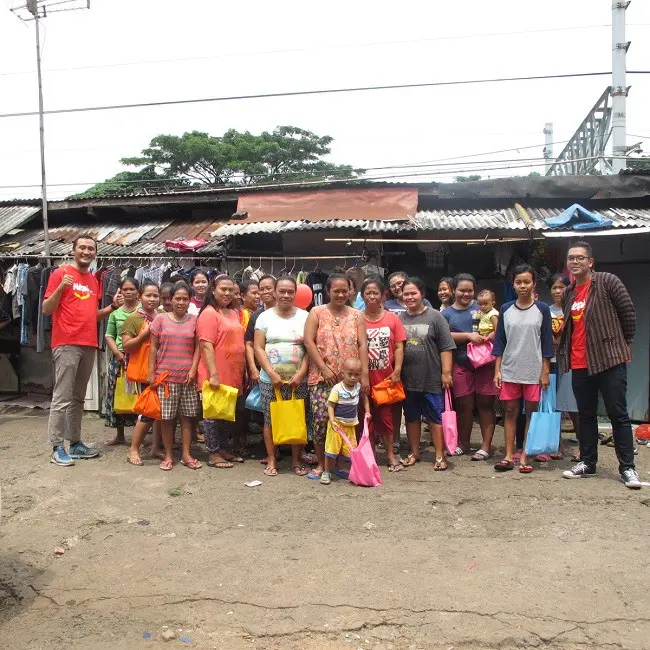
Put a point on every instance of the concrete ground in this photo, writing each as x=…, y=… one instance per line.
x=460, y=559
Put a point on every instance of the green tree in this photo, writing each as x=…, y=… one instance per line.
x=287, y=154
x=463, y=179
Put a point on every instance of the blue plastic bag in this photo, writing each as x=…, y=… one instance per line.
x=254, y=400
x=544, y=432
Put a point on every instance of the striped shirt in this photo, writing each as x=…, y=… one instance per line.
x=346, y=410
x=610, y=323
x=175, y=346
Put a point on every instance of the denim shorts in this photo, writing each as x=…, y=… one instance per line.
x=424, y=405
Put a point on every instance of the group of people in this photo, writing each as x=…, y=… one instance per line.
x=212, y=331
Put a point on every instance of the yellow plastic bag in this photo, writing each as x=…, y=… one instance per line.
x=288, y=420
x=219, y=404
x=123, y=403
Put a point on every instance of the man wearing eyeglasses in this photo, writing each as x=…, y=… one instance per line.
x=595, y=345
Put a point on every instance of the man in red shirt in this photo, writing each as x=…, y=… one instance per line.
x=72, y=299
x=600, y=325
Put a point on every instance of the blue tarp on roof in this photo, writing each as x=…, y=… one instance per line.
x=579, y=219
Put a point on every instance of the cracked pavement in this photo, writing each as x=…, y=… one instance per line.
x=463, y=559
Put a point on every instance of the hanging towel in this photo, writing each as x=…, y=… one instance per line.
x=579, y=218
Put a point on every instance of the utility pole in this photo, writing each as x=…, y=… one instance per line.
x=39, y=9
x=548, y=145
x=619, y=85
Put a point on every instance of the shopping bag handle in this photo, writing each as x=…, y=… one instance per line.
x=448, y=405
x=544, y=402
x=278, y=394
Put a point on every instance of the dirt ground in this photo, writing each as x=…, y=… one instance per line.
x=461, y=559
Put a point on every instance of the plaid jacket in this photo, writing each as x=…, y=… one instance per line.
x=610, y=322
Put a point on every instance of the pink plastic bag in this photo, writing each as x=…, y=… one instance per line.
x=449, y=425
x=364, y=470
x=480, y=354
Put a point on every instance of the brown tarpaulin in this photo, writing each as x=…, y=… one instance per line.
x=386, y=203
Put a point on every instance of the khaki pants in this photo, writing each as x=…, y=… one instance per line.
x=73, y=365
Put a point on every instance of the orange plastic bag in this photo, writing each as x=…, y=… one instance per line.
x=148, y=404
x=138, y=367
x=385, y=392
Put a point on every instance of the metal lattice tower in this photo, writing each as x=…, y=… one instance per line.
x=585, y=151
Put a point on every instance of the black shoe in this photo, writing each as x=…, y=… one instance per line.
x=580, y=470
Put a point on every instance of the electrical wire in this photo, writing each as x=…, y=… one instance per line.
x=303, y=93
x=410, y=174
x=308, y=49
x=264, y=175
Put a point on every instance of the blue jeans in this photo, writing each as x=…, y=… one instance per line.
x=612, y=384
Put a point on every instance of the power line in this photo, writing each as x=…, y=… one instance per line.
x=311, y=49
x=411, y=174
x=266, y=174
x=297, y=93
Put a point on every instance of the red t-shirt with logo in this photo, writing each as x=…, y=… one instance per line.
x=382, y=336
x=579, y=332
x=74, y=321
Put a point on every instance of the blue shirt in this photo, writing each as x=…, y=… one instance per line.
x=524, y=337
x=463, y=321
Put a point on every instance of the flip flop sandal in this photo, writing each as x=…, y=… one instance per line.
x=200, y=438
x=558, y=456
x=481, y=454
x=299, y=470
x=236, y=459
x=137, y=463
x=396, y=467
x=342, y=473
x=440, y=465
x=270, y=471
x=543, y=458
x=221, y=464
x=504, y=466
x=410, y=460
x=525, y=469
x=309, y=459
x=166, y=465
x=314, y=476
x=192, y=464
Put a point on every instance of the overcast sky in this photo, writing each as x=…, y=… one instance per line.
x=112, y=54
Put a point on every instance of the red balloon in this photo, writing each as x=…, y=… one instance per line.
x=303, y=296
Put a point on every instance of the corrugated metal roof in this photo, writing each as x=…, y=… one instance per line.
x=510, y=219
x=147, y=239
x=621, y=217
x=492, y=219
x=14, y=216
x=279, y=227
x=114, y=239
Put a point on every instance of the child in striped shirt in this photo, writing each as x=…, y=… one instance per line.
x=343, y=411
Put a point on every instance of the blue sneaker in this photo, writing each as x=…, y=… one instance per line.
x=60, y=457
x=81, y=451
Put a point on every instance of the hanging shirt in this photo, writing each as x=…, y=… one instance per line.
x=579, y=331
x=317, y=281
x=74, y=321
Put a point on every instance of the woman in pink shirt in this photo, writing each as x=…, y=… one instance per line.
x=223, y=360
